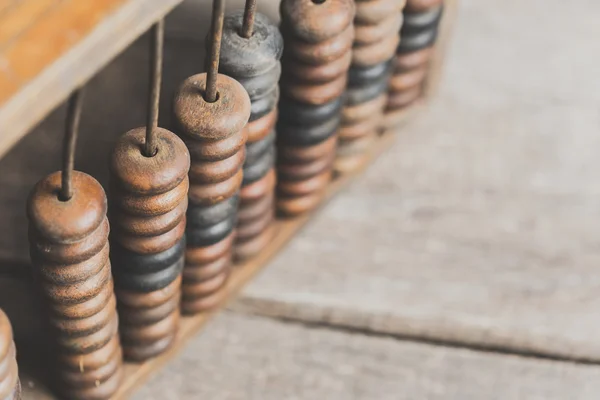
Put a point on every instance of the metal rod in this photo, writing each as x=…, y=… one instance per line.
x=69, y=144
x=249, y=14
x=156, y=61
x=212, y=64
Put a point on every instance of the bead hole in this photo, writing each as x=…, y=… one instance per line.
x=154, y=152
x=216, y=97
x=319, y=1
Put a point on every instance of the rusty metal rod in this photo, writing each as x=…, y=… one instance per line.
x=156, y=61
x=212, y=63
x=249, y=14
x=69, y=144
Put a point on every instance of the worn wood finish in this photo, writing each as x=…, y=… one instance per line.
x=137, y=374
x=49, y=47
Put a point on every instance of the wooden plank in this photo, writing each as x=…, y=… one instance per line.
x=137, y=374
x=45, y=62
x=17, y=19
x=241, y=357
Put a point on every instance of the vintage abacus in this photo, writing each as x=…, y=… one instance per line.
x=283, y=117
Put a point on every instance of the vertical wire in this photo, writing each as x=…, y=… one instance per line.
x=249, y=14
x=156, y=61
x=212, y=64
x=69, y=144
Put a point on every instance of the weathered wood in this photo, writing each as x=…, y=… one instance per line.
x=50, y=47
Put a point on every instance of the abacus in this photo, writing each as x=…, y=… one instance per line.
x=281, y=120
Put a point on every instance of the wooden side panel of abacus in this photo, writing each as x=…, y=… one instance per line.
x=137, y=374
x=50, y=47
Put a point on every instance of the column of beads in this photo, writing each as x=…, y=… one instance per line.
x=148, y=204
x=376, y=26
x=70, y=256
x=254, y=62
x=10, y=386
x=215, y=136
x=410, y=66
x=318, y=36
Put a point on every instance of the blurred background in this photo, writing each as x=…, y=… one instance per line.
x=463, y=264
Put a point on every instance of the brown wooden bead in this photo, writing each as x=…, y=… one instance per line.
x=66, y=221
x=203, y=255
x=152, y=244
x=151, y=205
x=321, y=73
x=91, y=342
x=253, y=228
x=89, y=377
x=356, y=146
x=350, y=163
x=214, y=193
x=217, y=171
x=80, y=292
x=316, y=21
x=307, y=153
x=359, y=112
x=403, y=99
x=199, y=119
x=260, y=128
x=294, y=206
x=252, y=247
x=97, y=391
x=137, y=300
x=316, y=94
x=306, y=186
x=64, y=274
x=205, y=288
x=136, y=225
x=422, y=5
x=9, y=371
x=305, y=170
x=138, y=334
x=413, y=59
x=208, y=270
x=373, y=11
x=366, y=127
x=322, y=52
x=257, y=207
x=93, y=360
x=365, y=35
x=142, y=352
x=368, y=55
x=141, y=175
x=215, y=150
x=408, y=80
x=87, y=325
x=204, y=304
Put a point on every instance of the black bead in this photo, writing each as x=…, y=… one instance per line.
x=260, y=85
x=212, y=234
x=202, y=217
x=260, y=168
x=149, y=282
x=365, y=76
x=264, y=105
x=363, y=94
x=420, y=21
x=409, y=43
x=127, y=261
x=257, y=149
x=244, y=57
x=307, y=135
x=296, y=113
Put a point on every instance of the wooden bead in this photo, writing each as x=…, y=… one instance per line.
x=205, y=288
x=90, y=377
x=206, y=236
x=66, y=221
x=364, y=110
x=149, y=333
x=135, y=263
x=206, y=195
x=67, y=274
x=217, y=171
x=253, y=56
x=84, y=309
x=152, y=205
x=422, y=5
x=262, y=127
x=408, y=80
x=257, y=207
x=199, y=119
x=10, y=387
x=354, y=147
x=140, y=225
x=316, y=21
x=371, y=55
x=252, y=247
x=294, y=206
x=139, y=353
x=305, y=170
x=149, y=315
x=366, y=127
x=303, y=153
x=299, y=114
x=97, y=391
x=372, y=34
x=208, y=270
x=216, y=150
x=198, y=217
x=321, y=73
x=403, y=99
x=264, y=105
x=136, y=173
x=419, y=41
x=305, y=186
x=415, y=22
x=88, y=325
x=308, y=135
x=150, y=281
x=254, y=228
x=322, y=52
x=373, y=11
x=203, y=255
x=259, y=188
x=314, y=93
x=260, y=167
x=86, y=363
x=204, y=303
x=262, y=85
x=363, y=94
x=152, y=244
x=412, y=60
x=137, y=300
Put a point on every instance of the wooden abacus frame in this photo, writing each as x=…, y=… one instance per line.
x=148, y=12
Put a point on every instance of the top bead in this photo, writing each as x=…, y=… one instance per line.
x=201, y=120
x=245, y=57
x=138, y=174
x=66, y=221
x=316, y=20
